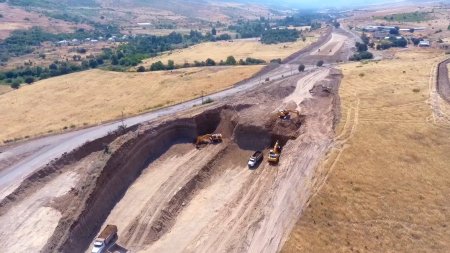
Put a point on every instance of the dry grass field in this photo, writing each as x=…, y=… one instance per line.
x=386, y=186
x=240, y=49
x=16, y=18
x=4, y=89
x=94, y=96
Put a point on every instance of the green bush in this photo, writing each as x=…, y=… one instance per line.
x=301, y=68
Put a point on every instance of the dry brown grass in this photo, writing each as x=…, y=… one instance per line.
x=389, y=176
x=16, y=18
x=4, y=89
x=94, y=96
x=240, y=49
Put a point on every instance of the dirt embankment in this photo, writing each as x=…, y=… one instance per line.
x=253, y=206
x=443, y=81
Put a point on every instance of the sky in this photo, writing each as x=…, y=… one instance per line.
x=324, y=3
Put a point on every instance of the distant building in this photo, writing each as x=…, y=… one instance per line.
x=379, y=35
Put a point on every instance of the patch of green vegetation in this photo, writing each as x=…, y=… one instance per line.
x=407, y=17
x=250, y=29
x=22, y=42
x=52, y=4
x=156, y=66
x=274, y=36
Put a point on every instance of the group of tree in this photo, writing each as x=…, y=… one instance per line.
x=362, y=49
x=273, y=36
x=157, y=66
x=303, y=18
x=22, y=42
x=31, y=74
x=250, y=28
x=393, y=41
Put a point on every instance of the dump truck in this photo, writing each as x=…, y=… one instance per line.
x=274, y=154
x=207, y=139
x=103, y=240
x=255, y=159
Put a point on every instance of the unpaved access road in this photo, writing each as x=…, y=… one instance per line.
x=18, y=161
x=233, y=208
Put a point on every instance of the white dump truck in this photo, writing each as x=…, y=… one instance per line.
x=255, y=159
x=103, y=240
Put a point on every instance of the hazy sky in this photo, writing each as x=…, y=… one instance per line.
x=325, y=3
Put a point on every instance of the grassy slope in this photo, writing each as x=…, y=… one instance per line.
x=93, y=96
x=240, y=49
x=388, y=186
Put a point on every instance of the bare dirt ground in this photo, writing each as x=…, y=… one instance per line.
x=387, y=176
x=232, y=198
x=332, y=46
x=242, y=216
x=204, y=200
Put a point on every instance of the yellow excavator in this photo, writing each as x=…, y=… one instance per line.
x=286, y=114
x=274, y=154
x=207, y=139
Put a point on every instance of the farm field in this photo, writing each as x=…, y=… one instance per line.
x=94, y=96
x=240, y=49
x=387, y=185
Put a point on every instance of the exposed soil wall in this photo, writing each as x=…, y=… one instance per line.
x=443, y=82
x=42, y=176
x=124, y=166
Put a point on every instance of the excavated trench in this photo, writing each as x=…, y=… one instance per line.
x=144, y=146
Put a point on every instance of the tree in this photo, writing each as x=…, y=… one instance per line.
x=53, y=66
x=365, y=38
x=214, y=31
x=15, y=85
x=170, y=64
x=157, y=66
x=394, y=31
x=336, y=24
x=114, y=60
x=210, y=62
x=230, y=60
x=140, y=69
x=93, y=63
x=361, y=47
x=29, y=80
x=301, y=68
x=319, y=63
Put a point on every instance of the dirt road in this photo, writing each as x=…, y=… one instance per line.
x=16, y=162
x=209, y=192
x=232, y=208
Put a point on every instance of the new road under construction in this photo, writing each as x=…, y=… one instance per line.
x=184, y=182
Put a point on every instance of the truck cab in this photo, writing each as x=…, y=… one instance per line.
x=99, y=246
x=255, y=159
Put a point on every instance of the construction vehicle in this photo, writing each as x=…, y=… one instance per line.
x=103, y=240
x=274, y=154
x=255, y=159
x=207, y=139
x=286, y=114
